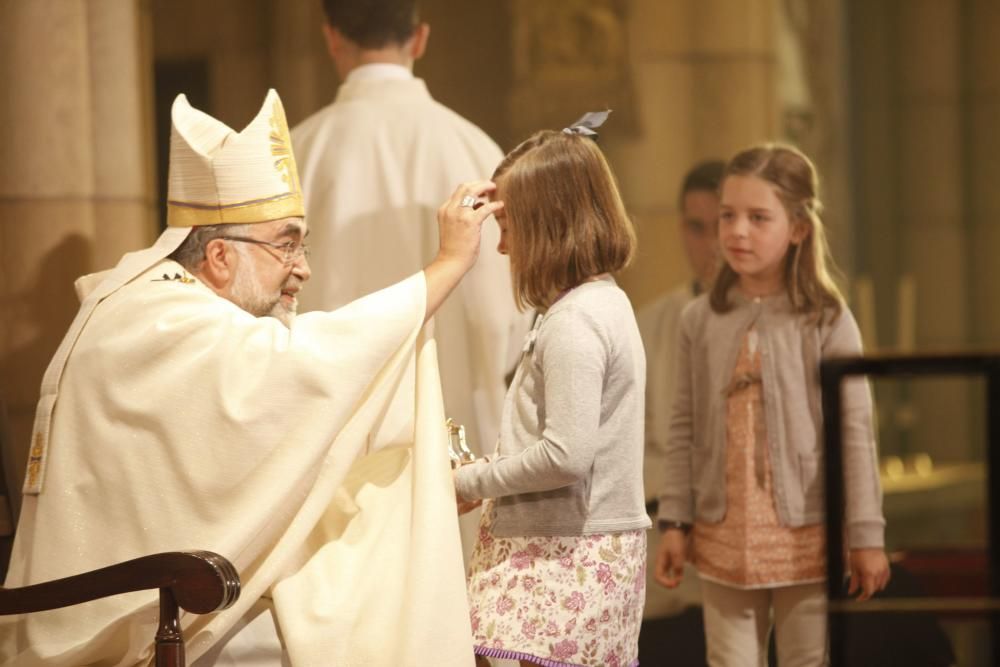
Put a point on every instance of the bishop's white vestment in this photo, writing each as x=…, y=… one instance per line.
x=314, y=458
x=375, y=165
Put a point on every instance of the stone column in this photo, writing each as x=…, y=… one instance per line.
x=468, y=65
x=75, y=185
x=877, y=187
x=814, y=98
x=981, y=59
x=982, y=141
x=231, y=37
x=704, y=79
x=301, y=69
x=910, y=185
x=931, y=239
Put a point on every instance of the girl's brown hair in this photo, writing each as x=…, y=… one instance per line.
x=566, y=219
x=811, y=289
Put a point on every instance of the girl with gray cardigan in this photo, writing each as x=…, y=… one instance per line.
x=557, y=576
x=743, y=490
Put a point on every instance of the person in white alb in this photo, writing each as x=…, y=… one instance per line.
x=188, y=407
x=659, y=322
x=698, y=202
x=375, y=164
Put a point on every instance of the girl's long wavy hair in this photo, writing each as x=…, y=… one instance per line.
x=567, y=222
x=808, y=264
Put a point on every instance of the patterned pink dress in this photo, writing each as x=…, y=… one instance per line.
x=750, y=548
x=558, y=601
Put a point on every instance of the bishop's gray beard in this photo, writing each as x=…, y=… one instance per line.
x=249, y=294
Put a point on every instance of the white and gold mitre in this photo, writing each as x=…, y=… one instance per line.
x=219, y=176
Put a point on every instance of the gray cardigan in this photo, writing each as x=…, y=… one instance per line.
x=569, y=456
x=790, y=348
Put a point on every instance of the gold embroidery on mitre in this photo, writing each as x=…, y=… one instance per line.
x=281, y=148
x=188, y=214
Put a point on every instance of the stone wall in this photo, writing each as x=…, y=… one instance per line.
x=75, y=176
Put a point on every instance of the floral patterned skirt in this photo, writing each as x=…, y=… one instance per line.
x=558, y=601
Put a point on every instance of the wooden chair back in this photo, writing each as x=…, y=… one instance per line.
x=200, y=582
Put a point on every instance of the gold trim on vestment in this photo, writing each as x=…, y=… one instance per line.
x=32, y=480
x=189, y=214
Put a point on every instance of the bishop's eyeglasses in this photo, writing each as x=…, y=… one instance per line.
x=290, y=250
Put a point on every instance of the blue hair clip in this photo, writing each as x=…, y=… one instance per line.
x=587, y=123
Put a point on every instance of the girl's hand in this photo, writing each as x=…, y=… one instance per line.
x=869, y=572
x=464, y=506
x=670, y=558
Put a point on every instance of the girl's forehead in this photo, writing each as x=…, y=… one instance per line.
x=744, y=188
x=500, y=190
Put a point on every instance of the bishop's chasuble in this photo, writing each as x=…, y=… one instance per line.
x=314, y=458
